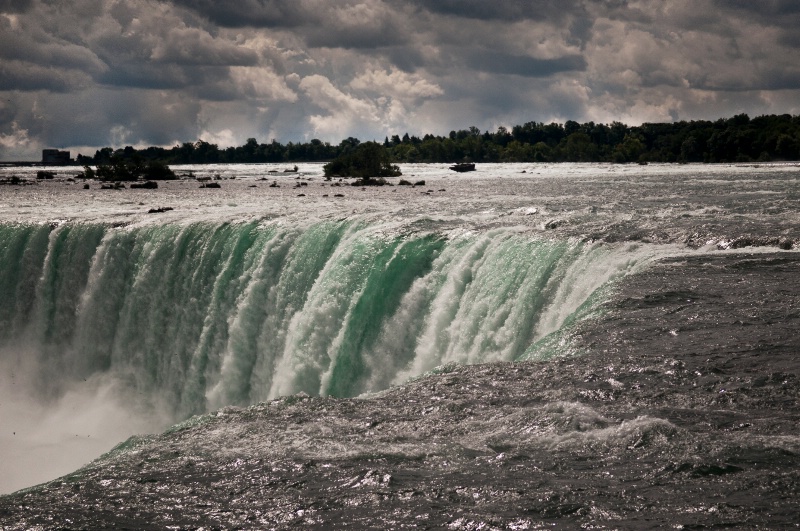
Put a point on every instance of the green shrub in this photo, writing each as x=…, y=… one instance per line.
x=158, y=171
x=367, y=160
x=124, y=169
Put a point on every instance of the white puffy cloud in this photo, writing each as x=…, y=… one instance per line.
x=261, y=83
x=373, y=103
x=222, y=138
x=397, y=84
x=344, y=111
x=16, y=139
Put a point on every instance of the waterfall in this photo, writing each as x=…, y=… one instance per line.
x=196, y=316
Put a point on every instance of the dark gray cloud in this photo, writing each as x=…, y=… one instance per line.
x=252, y=13
x=520, y=65
x=350, y=24
x=504, y=10
x=764, y=8
x=90, y=73
x=342, y=34
x=19, y=76
x=15, y=6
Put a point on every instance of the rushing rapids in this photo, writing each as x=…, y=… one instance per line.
x=581, y=347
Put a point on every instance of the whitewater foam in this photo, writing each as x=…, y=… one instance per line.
x=255, y=293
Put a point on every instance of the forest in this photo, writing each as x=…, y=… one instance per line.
x=736, y=139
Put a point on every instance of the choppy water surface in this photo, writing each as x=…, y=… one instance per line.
x=521, y=347
x=689, y=203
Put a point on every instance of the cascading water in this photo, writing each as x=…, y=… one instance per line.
x=118, y=319
x=201, y=315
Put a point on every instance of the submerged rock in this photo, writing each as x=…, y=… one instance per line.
x=15, y=181
x=463, y=167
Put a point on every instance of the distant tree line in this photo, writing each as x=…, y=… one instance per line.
x=736, y=139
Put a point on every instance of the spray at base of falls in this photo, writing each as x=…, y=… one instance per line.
x=201, y=315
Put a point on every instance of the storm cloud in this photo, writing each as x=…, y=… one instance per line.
x=91, y=73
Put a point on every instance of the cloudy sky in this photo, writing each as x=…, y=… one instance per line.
x=85, y=74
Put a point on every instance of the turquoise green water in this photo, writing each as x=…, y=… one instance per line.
x=203, y=315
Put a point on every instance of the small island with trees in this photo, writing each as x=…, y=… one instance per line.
x=369, y=162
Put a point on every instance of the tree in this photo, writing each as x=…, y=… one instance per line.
x=157, y=171
x=787, y=147
x=542, y=152
x=578, y=147
x=629, y=150
x=119, y=169
x=690, y=150
x=348, y=144
x=131, y=169
x=366, y=160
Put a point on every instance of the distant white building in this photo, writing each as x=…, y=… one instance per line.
x=55, y=156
